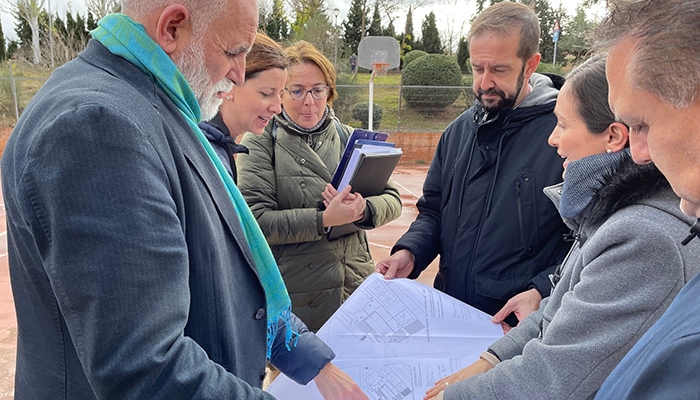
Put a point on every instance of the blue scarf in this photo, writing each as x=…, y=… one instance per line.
x=128, y=39
x=584, y=178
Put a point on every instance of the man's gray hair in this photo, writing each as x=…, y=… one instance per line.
x=202, y=12
x=506, y=17
x=666, y=60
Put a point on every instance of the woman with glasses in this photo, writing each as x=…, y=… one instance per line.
x=285, y=180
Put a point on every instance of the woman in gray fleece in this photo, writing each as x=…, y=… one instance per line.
x=626, y=265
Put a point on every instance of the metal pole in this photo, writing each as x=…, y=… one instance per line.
x=554, y=63
x=50, y=33
x=335, y=41
x=371, y=100
x=336, y=11
x=398, y=112
x=14, y=93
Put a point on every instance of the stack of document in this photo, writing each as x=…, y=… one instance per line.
x=367, y=163
x=395, y=338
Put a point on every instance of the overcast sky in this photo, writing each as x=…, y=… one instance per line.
x=445, y=13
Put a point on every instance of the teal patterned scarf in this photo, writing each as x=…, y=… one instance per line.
x=128, y=39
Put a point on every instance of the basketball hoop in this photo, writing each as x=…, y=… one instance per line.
x=379, y=69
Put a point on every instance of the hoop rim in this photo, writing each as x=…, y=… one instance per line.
x=380, y=66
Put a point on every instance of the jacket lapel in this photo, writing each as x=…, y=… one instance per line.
x=199, y=161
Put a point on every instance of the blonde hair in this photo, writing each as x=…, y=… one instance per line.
x=303, y=52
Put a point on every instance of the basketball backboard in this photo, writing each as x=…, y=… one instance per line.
x=379, y=49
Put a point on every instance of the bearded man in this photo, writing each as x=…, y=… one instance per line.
x=483, y=210
x=137, y=269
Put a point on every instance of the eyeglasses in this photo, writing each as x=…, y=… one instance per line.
x=317, y=92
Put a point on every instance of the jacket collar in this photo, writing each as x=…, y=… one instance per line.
x=629, y=184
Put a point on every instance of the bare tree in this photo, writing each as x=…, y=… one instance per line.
x=29, y=11
x=453, y=28
x=392, y=7
x=100, y=8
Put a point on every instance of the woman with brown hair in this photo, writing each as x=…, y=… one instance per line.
x=286, y=177
x=249, y=107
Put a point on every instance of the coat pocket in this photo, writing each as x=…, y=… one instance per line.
x=525, y=190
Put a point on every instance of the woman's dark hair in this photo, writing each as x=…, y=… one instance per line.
x=590, y=89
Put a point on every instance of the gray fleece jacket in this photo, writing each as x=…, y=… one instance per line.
x=624, y=269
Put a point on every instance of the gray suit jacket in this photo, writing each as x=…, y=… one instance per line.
x=131, y=275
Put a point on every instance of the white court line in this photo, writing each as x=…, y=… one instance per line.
x=3, y=255
x=3, y=233
x=380, y=245
x=405, y=188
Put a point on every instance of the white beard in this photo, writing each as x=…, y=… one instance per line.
x=193, y=68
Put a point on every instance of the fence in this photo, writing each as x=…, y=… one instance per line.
x=405, y=108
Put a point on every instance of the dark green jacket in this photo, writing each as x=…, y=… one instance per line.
x=283, y=188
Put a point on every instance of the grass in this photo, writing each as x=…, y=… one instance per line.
x=386, y=93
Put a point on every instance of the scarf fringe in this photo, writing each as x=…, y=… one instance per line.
x=291, y=334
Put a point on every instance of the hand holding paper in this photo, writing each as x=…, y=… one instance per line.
x=478, y=367
x=334, y=384
x=399, y=265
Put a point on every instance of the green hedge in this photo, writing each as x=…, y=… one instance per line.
x=432, y=70
x=360, y=112
x=412, y=56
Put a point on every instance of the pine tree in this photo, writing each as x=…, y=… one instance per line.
x=463, y=54
x=353, y=26
x=408, y=37
x=375, y=28
x=277, y=26
x=430, y=37
x=3, y=54
x=390, y=31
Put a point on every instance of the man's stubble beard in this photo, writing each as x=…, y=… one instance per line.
x=192, y=66
x=506, y=102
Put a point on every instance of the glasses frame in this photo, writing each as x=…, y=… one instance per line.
x=306, y=92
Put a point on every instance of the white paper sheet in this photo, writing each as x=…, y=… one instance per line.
x=396, y=338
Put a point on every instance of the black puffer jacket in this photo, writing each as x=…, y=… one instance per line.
x=483, y=210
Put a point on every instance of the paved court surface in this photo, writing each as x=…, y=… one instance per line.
x=409, y=179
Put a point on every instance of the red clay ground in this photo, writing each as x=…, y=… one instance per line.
x=409, y=175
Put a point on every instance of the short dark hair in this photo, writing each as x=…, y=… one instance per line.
x=590, y=89
x=667, y=54
x=504, y=18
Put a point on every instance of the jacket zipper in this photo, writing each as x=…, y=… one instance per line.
x=520, y=213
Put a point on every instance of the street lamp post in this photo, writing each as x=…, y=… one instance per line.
x=336, y=11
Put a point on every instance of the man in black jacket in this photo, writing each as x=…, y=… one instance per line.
x=483, y=210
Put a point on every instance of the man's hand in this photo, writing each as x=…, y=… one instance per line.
x=479, y=367
x=398, y=265
x=342, y=207
x=333, y=384
x=522, y=304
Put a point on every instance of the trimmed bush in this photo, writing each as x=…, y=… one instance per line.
x=348, y=94
x=432, y=70
x=412, y=56
x=360, y=112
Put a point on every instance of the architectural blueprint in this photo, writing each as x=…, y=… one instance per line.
x=397, y=337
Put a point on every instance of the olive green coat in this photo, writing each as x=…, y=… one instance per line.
x=283, y=188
